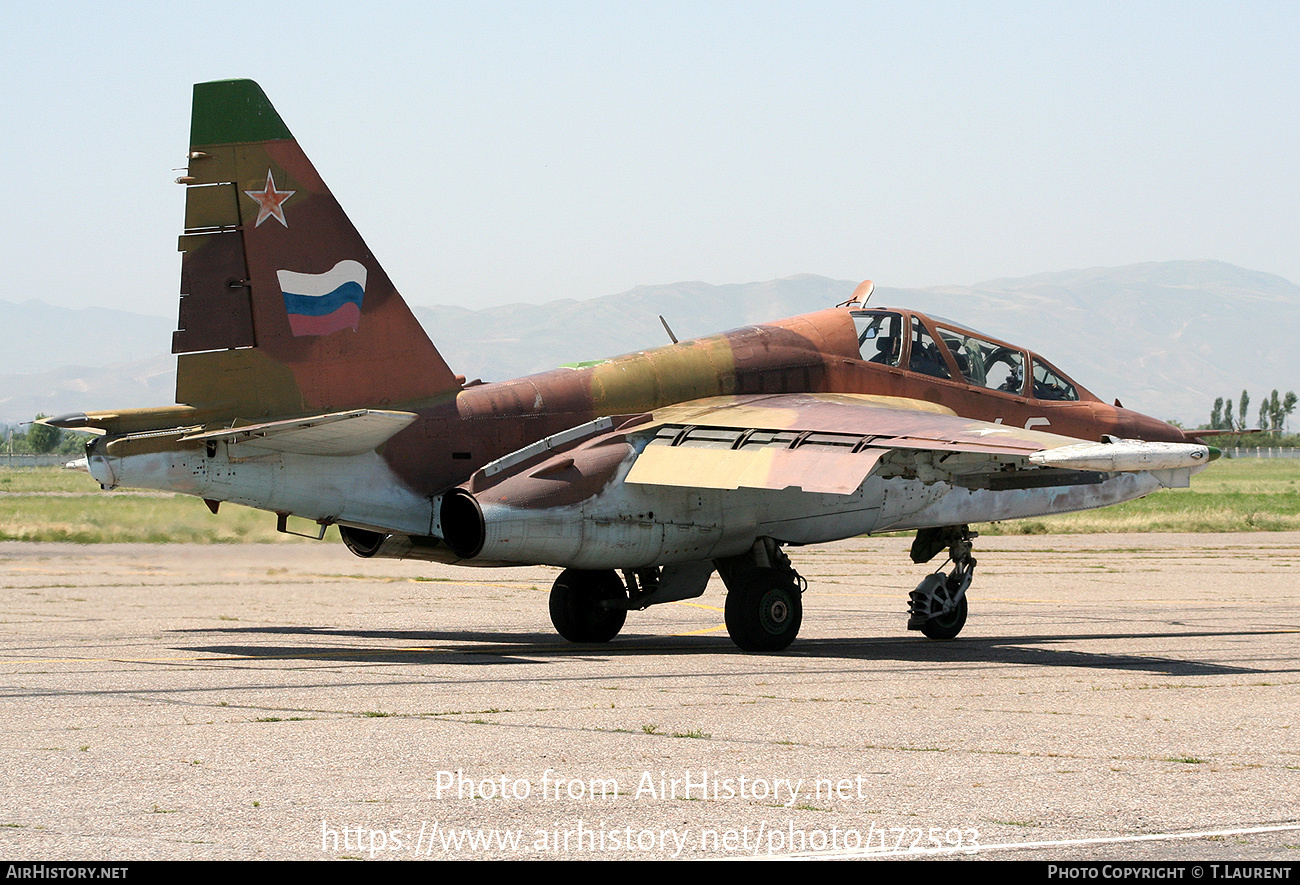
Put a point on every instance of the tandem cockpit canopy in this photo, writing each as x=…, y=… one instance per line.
x=926, y=345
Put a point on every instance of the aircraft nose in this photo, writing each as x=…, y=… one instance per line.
x=1154, y=430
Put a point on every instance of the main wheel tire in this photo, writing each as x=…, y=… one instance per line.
x=946, y=626
x=765, y=613
x=588, y=606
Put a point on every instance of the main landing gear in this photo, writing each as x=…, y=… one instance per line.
x=764, y=606
x=588, y=606
x=937, y=607
x=592, y=605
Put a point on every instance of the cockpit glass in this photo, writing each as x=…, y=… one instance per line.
x=926, y=356
x=985, y=364
x=1050, y=384
x=880, y=336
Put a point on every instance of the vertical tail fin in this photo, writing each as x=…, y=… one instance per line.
x=283, y=307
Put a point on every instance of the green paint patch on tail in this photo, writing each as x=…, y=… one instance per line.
x=234, y=112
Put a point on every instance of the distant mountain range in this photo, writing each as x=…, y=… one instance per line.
x=1165, y=338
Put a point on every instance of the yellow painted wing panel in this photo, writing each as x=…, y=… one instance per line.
x=833, y=472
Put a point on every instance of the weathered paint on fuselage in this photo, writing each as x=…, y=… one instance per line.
x=813, y=353
x=456, y=435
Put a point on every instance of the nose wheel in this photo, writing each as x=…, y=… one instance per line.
x=937, y=607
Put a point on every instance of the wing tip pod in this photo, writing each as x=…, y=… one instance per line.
x=234, y=112
x=1126, y=456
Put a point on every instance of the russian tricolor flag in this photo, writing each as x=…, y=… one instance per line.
x=319, y=304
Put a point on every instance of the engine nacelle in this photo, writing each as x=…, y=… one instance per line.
x=461, y=519
x=377, y=545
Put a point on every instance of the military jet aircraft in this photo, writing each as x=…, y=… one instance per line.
x=305, y=387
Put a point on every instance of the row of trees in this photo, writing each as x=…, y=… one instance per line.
x=1273, y=412
x=41, y=439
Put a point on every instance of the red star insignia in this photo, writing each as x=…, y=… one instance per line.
x=270, y=201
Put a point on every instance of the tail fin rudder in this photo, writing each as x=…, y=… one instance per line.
x=283, y=307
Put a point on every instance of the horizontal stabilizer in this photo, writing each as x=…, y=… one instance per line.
x=338, y=433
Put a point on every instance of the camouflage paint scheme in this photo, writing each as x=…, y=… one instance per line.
x=332, y=404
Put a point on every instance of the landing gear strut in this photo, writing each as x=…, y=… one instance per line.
x=588, y=606
x=764, y=605
x=937, y=606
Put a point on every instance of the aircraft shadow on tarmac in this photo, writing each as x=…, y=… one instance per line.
x=463, y=647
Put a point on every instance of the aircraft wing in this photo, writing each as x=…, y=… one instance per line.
x=825, y=443
x=831, y=442
x=699, y=479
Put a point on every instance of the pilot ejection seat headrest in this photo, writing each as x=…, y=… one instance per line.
x=886, y=349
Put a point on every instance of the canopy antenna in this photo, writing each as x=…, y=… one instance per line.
x=666, y=329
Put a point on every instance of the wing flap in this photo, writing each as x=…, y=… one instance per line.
x=812, y=470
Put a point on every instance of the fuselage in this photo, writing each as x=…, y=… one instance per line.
x=402, y=487
x=814, y=353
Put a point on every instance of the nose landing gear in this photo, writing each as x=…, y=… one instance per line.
x=937, y=607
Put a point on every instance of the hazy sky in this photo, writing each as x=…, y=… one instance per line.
x=496, y=152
